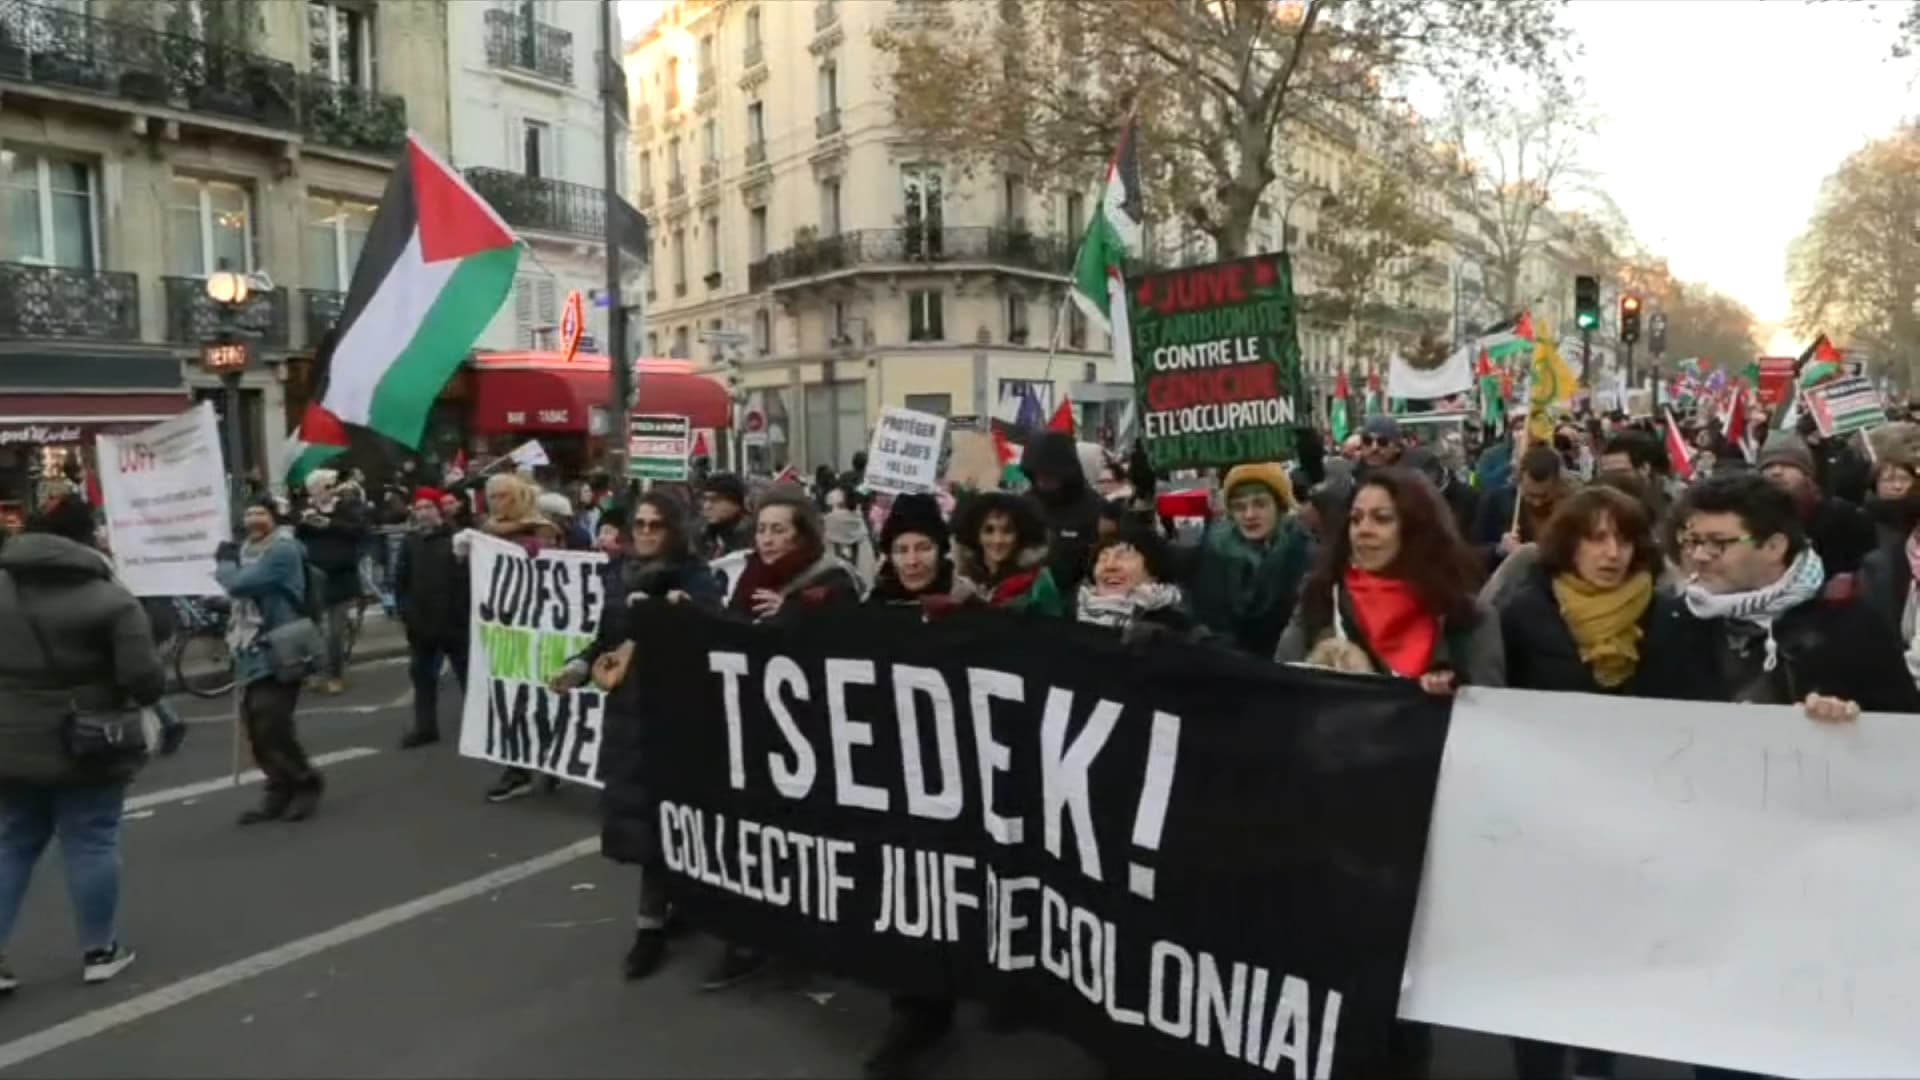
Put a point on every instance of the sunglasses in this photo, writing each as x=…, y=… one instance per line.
x=1375, y=440
x=647, y=525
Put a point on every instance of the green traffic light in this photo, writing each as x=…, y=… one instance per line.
x=1588, y=322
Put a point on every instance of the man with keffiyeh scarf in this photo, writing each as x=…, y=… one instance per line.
x=1755, y=604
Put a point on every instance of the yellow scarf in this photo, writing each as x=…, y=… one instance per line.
x=1605, y=623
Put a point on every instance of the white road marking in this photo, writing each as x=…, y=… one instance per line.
x=325, y=710
x=101, y=1021
x=222, y=783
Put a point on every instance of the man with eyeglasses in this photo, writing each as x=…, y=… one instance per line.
x=1756, y=613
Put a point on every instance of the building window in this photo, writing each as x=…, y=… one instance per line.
x=536, y=148
x=1017, y=318
x=829, y=87
x=679, y=262
x=830, y=207
x=336, y=231
x=673, y=82
x=50, y=211
x=1013, y=195
x=937, y=404
x=753, y=32
x=757, y=124
x=706, y=62
x=920, y=189
x=674, y=173
x=763, y=332
x=340, y=42
x=838, y=330
x=680, y=350
x=1076, y=218
x=1076, y=327
x=713, y=248
x=211, y=227
x=646, y=170
x=924, y=321
x=536, y=311
x=836, y=421
x=757, y=233
x=653, y=343
x=710, y=136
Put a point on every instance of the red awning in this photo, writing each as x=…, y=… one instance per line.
x=539, y=392
x=67, y=418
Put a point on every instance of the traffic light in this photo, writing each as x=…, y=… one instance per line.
x=1629, y=319
x=1657, y=333
x=1586, y=301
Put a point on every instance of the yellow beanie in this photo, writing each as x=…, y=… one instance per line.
x=1269, y=474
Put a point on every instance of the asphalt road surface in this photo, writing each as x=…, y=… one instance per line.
x=413, y=930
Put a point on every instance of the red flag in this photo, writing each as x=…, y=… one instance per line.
x=788, y=475
x=1062, y=418
x=1678, y=453
x=1824, y=350
x=1734, y=421
x=1340, y=389
x=1007, y=452
x=1523, y=326
x=460, y=459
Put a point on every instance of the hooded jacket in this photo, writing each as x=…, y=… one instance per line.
x=1071, y=512
x=102, y=659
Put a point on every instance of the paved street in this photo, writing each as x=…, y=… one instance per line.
x=413, y=930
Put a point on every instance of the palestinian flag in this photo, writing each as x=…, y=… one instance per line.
x=319, y=438
x=1679, y=454
x=1373, y=403
x=437, y=265
x=1734, y=421
x=1337, y=419
x=1493, y=402
x=1009, y=457
x=1062, y=417
x=1113, y=236
x=1820, y=363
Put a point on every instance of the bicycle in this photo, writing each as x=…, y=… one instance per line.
x=198, y=654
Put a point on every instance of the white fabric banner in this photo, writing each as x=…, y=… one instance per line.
x=164, y=490
x=1409, y=383
x=1726, y=885
x=530, y=615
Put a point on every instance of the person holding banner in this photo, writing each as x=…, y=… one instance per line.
x=723, y=505
x=1244, y=577
x=1755, y=611
x=658, y=564
x=1000, y=555
x=1394, y=594
x=266, y=575
x=913, y=541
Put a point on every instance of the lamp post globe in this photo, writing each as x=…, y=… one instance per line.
x=227, y=287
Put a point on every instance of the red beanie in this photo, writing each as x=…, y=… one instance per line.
x=433, y=495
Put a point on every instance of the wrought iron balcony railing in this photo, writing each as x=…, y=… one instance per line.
x=58, y=46
x=826, y=123
x=523, y=44
x=893, y=247
x=352, y=118
x=58, y=302
x=321, y=308
x=193, y=318
x=535, y=202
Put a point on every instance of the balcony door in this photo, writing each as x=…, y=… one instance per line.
x=49, y=210
x=922, y=212
x=340, y=42
x=209, y=227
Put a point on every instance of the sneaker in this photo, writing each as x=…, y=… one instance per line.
x=304, y=802
x=909, y=1037
x=649, y=951
x=737, y=965
x=271, y=808
x=8, y=984
x=415, y=739
x=510, y=787
x=335, y=686
x=104, y=964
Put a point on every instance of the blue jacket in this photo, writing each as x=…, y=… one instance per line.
x=277, y=583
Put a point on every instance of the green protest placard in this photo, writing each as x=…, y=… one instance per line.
x=1216, y=362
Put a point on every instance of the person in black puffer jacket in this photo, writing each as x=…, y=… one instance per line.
x=334, y=529
x=1067, y=505
x=659, y=564
x=431, y=590
x=70, y=635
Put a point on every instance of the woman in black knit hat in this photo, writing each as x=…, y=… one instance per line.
x=913, y=546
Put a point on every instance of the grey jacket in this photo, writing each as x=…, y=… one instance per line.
x=103, y=656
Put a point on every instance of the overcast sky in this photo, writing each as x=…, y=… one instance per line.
x=1719, y=119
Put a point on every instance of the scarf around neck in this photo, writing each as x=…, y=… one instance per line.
x=1605, y=623
x=1397, y=627
x=1760, y=607
x=1117, y=611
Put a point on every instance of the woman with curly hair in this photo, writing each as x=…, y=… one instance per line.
x=1000, y=555
x=1394, y=594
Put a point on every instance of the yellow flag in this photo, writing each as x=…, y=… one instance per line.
x=1552, y=385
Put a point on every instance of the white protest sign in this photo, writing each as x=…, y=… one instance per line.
x=530, y=615
x=529, y=454
x=905, y=453
x=165, y=495
x=1728, y=885
x=727, y=570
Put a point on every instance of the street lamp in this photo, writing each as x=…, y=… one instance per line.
x=227, y=353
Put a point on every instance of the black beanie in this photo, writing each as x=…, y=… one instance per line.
x=68, y=516
x=914, y=514
x=726, y=485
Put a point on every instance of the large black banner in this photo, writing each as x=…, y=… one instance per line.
x=1190, y=862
